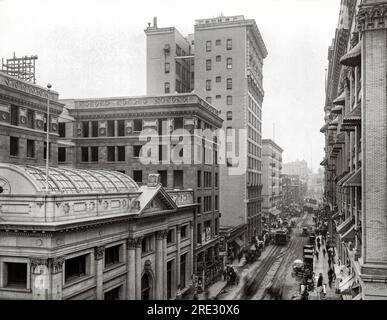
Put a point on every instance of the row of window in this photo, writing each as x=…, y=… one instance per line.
x=14, y=148
x=207, y=179
x=228, y=84
x=255, y=108
x=205, y=234
x=254, y=150
x=30, y=114
x=218, y=96
x=254, y=164
x=218, y=42
x=218, y=59
x=254, y=135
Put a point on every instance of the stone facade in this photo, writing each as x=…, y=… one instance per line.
x=355, y=131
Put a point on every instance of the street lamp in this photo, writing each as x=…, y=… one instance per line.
x=47, y=133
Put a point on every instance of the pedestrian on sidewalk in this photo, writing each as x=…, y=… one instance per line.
x=318, y=246
x=316, y=254
x=324, y=252
x=320, y=282
x=329, y=261
x=330, y=277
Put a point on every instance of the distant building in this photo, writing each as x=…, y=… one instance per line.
x=298, y=167
x=271, y=178
x=95, y=235
x=293, y=190
x=224, y=60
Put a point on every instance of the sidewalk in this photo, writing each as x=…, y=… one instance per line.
x=321, y=266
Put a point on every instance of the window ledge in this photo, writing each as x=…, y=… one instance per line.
x=15, y=289
x=113, y=266
x=78, y=280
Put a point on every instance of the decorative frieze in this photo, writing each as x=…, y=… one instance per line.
x=99, y=252
x=372, y=17
x=162, y=234
x=57, y=264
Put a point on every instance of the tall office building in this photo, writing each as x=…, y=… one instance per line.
x=224, y=59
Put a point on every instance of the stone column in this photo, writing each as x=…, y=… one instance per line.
x=131, y=267
x=178, y=229
x=99, y=264
x=40, y=279
x=56, y=268
x=159, y=265
x=138, y=267
x=191, y=253
x=165, y=233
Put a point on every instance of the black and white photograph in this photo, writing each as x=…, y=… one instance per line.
x=204, y=151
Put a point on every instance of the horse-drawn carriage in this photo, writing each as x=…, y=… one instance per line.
x=253, y=253
x=231, y=275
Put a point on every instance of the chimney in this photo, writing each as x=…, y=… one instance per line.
x=155, y=22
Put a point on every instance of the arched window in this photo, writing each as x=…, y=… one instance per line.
x=145, y=287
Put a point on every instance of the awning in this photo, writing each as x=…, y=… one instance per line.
x=343, y=177
x=324, y=162
x=239, y=242
x=275, y=212
x=354, y=117
x=324, y=128
x=340, y=100
x=349, y=235
x=337, y=109
x=334, y=122
x=354, y=180
x=353, y=57
x=346, y=283
x=344, y=227
x=357, y=297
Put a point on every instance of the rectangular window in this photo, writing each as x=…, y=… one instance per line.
x=111, y=153
x=113, y=294
x=167, y=67
x=167, y=87
x=30, y=119
x=218, y=79
x=229, y=44
x=13, y=146
x=199, y=178
x=137, y=175
x=229, y=83
x=229, y=63
x=94, y=154
x=216, y=180
x=94, y=128
x=208, y=85
x=85, y=154
x=218, y=58
x=85, y=128
x=199, y=204
x=30, y=149
x=208, y=64
x=16, y=275
x=218, y=96
x=208, y=46
x=146, y=244
x=178, y=123
x=199, y=233
x=178, y=68
x=137, y=151
x=183, y=263
x=184, y=232
x=137, y=123
x=216, y=226
x=121, y=153
x=61, y=154
x=169, y=279
x=62, y=129
x=209, y=99
x=14, y=115
x=218, y=42
x=110, y=128
x=229, y=115
x=75, y=268
x=171, y=236
x=229, y=100
x=112, y=256
x=121, y=128
x=178, y=179
x=163, y=178
x=216, y=203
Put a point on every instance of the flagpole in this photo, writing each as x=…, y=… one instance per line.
x=48, y=134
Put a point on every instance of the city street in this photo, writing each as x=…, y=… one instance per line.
x=271, y=276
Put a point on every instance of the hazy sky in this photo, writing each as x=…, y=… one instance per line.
x=96, y=48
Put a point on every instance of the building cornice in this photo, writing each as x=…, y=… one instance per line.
x=372, y=16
